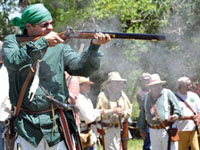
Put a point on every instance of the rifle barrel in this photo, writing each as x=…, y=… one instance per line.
x=115, y=35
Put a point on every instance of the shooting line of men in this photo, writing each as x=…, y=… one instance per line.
x=167, y=120
x=49, y=88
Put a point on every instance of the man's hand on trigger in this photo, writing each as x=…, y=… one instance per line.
x=53, y=39
x=100, y=38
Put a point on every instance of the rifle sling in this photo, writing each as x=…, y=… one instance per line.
x=161, y=122
x=158, y=117
x=24, y=87
x=185, y=103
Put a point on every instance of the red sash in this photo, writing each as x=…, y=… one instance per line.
x=66, y=132
x=69, y=142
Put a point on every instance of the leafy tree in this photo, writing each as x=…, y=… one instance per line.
x=7, y=8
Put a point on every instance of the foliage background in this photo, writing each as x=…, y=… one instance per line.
x=178, y=20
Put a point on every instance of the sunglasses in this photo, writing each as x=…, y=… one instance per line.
x=44, y=25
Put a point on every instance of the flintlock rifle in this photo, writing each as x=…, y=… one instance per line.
x=71, y=34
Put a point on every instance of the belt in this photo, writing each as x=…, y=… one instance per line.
x=115, y=125
x=156, y=126
x=30, y=112
x=166, y=123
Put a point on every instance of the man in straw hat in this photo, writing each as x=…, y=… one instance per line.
x=5, y=106
x=36, y=124
x=159, y=111
x=140, y=99
x=189, y=103
x=117, y=107
x=88, y=115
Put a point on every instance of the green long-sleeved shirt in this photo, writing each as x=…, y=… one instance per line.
x=54, y=61
x=163, y=108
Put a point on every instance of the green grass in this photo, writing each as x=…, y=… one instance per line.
x=133, y=144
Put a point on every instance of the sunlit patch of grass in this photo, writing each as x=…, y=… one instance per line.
x=133, y=144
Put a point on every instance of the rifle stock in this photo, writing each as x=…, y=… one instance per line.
x=102, y=135
x=70, y=34
x=125, y=135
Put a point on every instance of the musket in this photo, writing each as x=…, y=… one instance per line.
x=121, y=128
x=125, y=135
x=103, y=133
x=71, y=34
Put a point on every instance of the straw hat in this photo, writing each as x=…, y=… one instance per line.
x=85, y=80
x=155, y=79
x=114, y=76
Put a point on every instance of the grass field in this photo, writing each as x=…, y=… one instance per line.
x=133, y=144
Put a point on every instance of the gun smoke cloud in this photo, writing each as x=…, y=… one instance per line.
x=177, y=56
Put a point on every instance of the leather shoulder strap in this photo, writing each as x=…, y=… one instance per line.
x=185, y=103
x=24, y=87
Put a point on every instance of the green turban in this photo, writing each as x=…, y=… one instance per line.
x=33, y=14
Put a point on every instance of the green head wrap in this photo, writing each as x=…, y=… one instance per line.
x=33, y=14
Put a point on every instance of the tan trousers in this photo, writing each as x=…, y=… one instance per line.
x=188, y=138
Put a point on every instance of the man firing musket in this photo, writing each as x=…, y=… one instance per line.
x=42, y=63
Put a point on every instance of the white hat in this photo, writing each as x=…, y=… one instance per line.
x=114, y=76
x=155, y=79
x=85, y=80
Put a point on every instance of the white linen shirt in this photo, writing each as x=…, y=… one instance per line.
x=5, y=105
x=87, y=112
x=194, y=101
